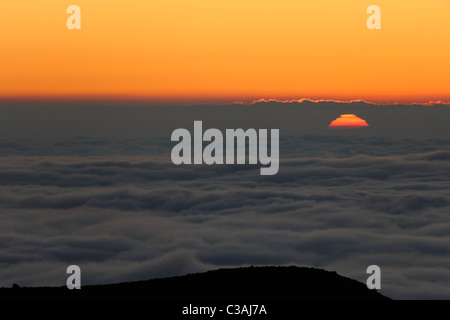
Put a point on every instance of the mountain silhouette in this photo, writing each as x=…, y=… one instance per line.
x=256, y=283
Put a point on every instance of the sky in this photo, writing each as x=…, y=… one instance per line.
x=224, y=51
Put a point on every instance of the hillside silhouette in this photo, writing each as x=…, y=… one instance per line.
x=256, y=283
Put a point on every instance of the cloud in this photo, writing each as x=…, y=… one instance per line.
x=124, y=218
x=338, y=101
x=94, y=186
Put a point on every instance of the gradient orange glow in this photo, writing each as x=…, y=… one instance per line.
x=348, y=121
x=226, y=50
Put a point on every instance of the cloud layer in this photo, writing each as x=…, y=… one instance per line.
x=93, y=185
x=130, y=217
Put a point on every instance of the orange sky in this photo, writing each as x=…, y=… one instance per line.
x=226, y=50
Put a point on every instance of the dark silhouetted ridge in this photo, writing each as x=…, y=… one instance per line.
x=256, y=283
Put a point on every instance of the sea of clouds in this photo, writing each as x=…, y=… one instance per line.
x=115, y=205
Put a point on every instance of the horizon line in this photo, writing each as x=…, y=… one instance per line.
x=190, y=101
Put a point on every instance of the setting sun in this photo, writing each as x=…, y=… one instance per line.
x=348, y=121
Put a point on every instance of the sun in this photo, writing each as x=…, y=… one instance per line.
x=348, y=121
